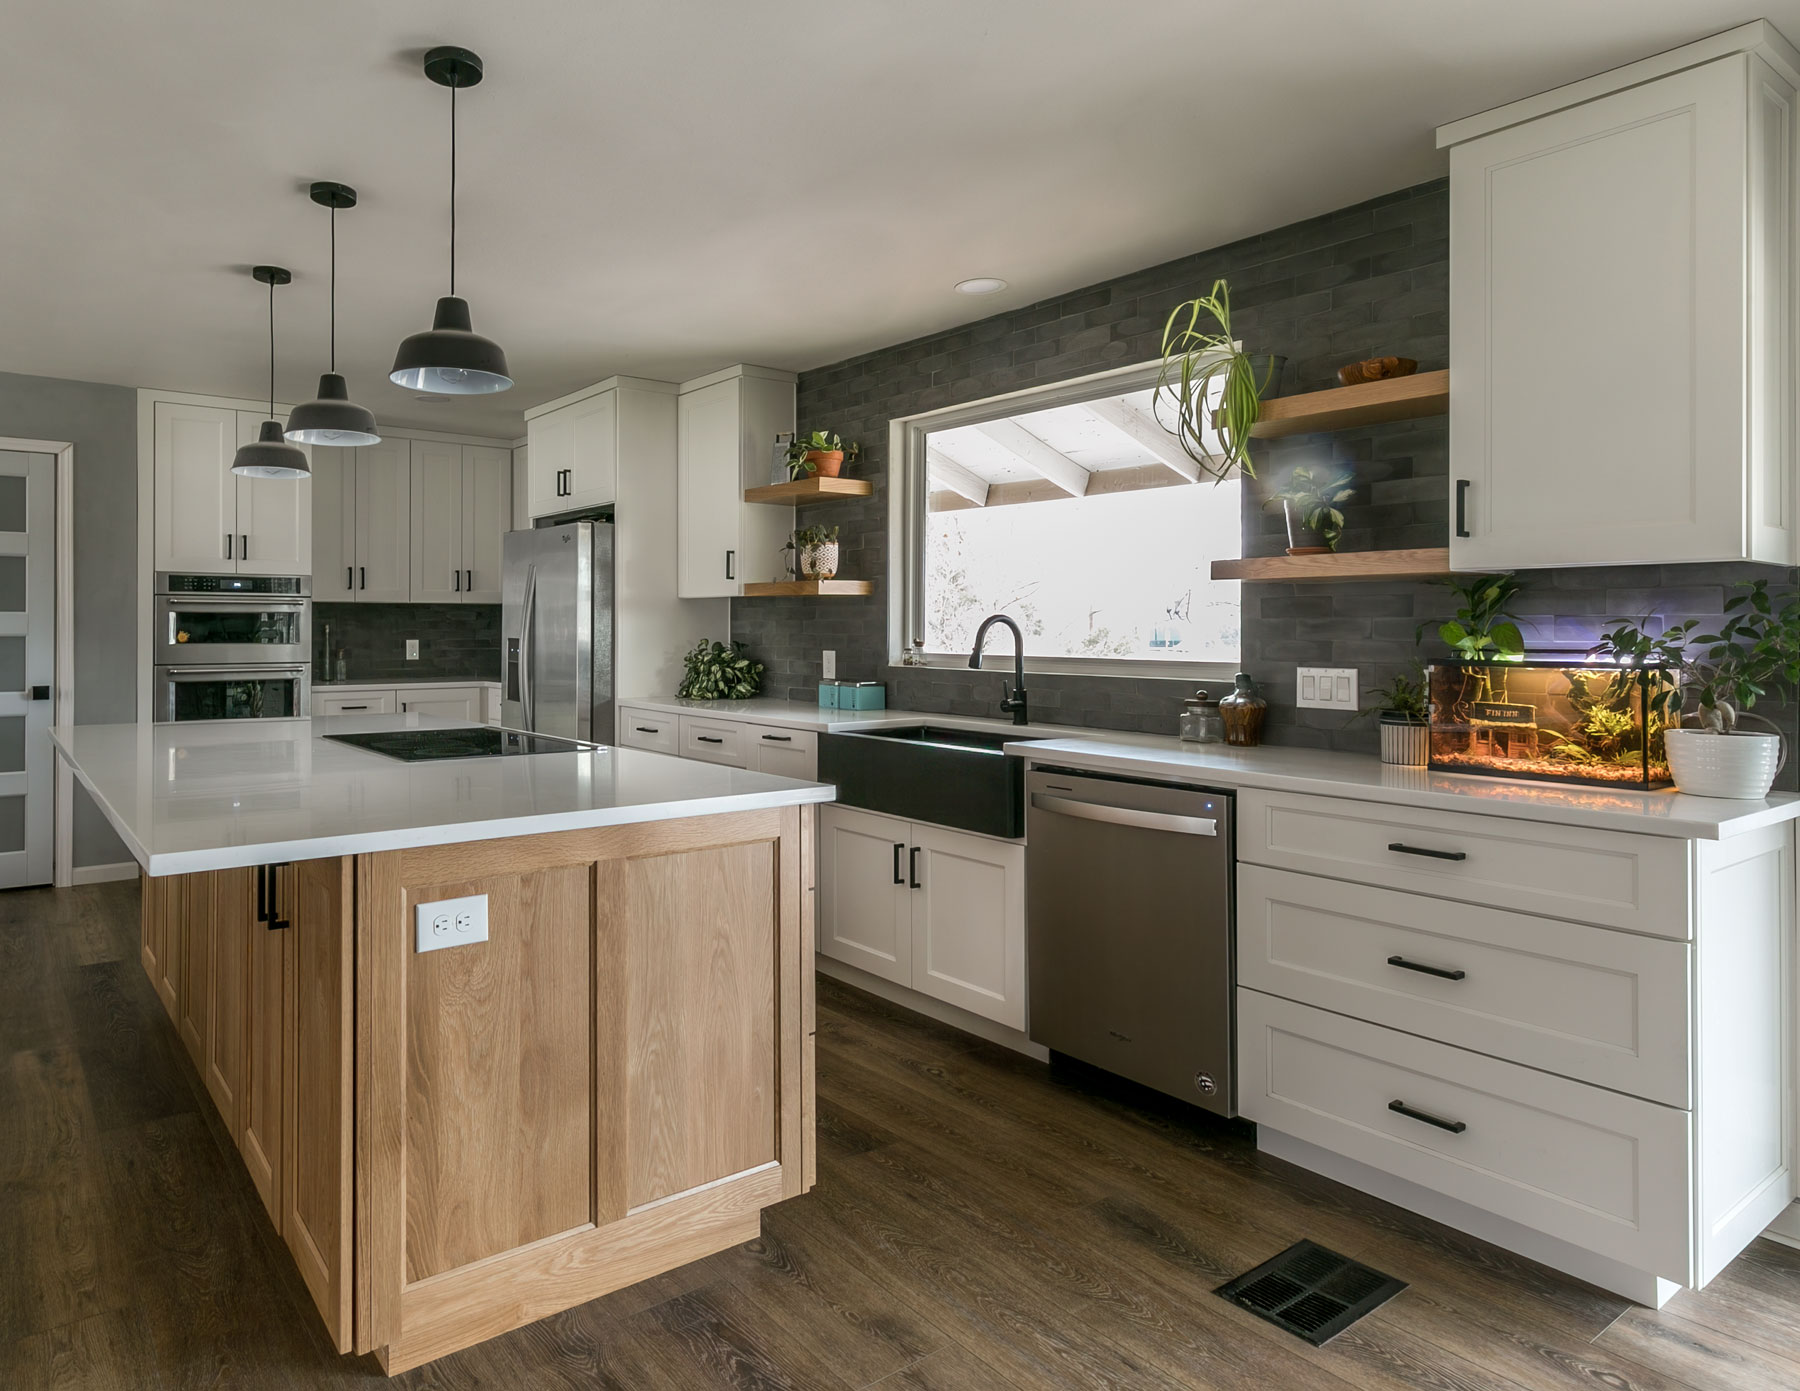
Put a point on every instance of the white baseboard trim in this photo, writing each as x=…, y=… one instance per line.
x=103, y=874
x=933, y=1009
x=1603, y=1271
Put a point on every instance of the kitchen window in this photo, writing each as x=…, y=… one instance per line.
x=1071, y=510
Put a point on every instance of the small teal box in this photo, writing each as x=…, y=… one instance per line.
x=861, y=695
x=828, y=695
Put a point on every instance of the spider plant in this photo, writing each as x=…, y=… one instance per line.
x=1210, y=384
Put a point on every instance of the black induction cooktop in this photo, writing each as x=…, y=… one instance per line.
x=475, y=741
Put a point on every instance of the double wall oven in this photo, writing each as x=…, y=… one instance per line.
x=233, y=647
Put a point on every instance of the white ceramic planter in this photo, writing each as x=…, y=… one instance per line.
x=1405, y=744
x=1740, y=765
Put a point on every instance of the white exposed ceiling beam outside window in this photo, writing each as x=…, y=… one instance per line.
x=1049, y=464
x=947, y=474
x=1146, y=434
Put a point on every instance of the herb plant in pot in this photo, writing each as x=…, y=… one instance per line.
x=719, y=671
x=1755, y=652
x=818, y=548
x=1310, y=499
x=821, y=453
x=1404, y=708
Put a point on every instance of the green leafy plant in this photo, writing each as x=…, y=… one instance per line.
x=807, y=537
x=1199, y=364
x=719, y=671
x=1484, y=627
x=1314, y=495
x=1407, y=695
x=1754, y=653
x=818, y=442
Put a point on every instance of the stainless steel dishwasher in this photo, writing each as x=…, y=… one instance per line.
x=1129, y=906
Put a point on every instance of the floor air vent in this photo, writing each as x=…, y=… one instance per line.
x=1313, y=1293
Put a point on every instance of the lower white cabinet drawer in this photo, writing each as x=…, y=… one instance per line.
x=1604, y=1172
x=1587, y=1002
x=715, y=741
x=353, y=702
x=641, y=729
x=786, y=752
x=443, y=702
x=1637, y=882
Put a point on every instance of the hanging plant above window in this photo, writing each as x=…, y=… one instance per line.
x=1209, y=390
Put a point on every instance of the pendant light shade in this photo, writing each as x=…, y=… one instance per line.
x=269, y=455
x=451, y=359
x=332, y=418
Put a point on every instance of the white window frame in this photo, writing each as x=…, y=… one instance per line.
x=907, y=523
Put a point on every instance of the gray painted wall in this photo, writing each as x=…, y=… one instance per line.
x=101, y=422
x=1364, y=281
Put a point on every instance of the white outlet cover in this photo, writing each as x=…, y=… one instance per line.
x=1325, y=688
x=451, y=922
x=412, y=649
x=828, y=665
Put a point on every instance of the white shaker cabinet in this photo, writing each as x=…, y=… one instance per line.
x=865, y=907
x=574, y=450
x=1621, y=316
x=435, y=545
x=486, y=518
x=383, y=523
x=334, y=526
x=726, y=425
x=208, y=520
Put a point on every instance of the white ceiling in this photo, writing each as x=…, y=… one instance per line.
x=665, y=188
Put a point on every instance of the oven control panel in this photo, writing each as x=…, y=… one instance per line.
x=234, y=584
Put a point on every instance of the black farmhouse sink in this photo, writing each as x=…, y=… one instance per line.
x=937, y=773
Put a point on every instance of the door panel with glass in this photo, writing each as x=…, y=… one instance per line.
x=27, y=664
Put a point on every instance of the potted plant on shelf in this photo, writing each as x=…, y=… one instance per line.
x=1404, y=709
x=1212, y=387
x=1309, y=501
x=1755, y=652
x=821, y=453
x=818, y=549
x=719, y=671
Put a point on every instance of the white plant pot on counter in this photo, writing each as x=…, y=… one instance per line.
x=1404, y=742
x=1739, y=765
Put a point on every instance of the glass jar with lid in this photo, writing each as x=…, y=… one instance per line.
x=1243, y=711
x=1201, y=722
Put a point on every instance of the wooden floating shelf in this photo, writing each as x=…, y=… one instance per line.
x=1431, y=563
x=813, y=489
x=1344, y=407
x=804, y=589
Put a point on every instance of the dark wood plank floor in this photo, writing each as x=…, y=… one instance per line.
x=980, y=1222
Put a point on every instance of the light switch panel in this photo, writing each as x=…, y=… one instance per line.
x=1325, y=688
x=828, y=665
x=451, y=922
x=412, y=649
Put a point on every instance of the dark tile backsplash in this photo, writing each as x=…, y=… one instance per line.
x=458, y=642
x=1361, y=282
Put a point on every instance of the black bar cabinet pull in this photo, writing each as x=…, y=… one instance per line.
x=779, y=738
x=243, y=546
x=646, y=729
x=731, y=565
x=468, y=581
x=262, y=893
x=1400, y=847
x=707, y=739
x=1424, y=970
x=1454, y=1127
x=899, y=878
x=353, y=707
x=349, y=577
x=1462, y=507
x=362, y=572
x=912, y=868
x=228, y=545
x=456, y=581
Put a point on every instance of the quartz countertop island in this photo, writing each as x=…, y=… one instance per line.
x=494, y=1036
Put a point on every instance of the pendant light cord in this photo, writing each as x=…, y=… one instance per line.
x=334, y=287
x=271, y=348
x=453, y=188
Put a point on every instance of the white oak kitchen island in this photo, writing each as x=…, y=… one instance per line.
x=454, y=1142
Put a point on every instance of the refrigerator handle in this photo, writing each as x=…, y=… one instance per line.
x=527, y=613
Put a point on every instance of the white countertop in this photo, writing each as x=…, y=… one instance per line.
x=190, y=797
x=397, y=681
x=1366, y=778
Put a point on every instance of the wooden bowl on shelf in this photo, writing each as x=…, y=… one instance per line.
x=1376, y=369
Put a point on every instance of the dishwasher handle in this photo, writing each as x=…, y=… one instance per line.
x=1126, y=816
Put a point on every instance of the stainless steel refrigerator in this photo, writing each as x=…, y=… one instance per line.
x=556, y=628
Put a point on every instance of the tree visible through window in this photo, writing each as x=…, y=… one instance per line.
x=1085, y=524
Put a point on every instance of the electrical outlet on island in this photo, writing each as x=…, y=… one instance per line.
x=412, y=649
x=828, y=665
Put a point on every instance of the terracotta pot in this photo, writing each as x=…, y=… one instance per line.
x=827, y=463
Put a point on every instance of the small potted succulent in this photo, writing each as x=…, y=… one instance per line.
x=818, y=549
x=821, y=453
x=1309, y=500
x=719, y=671
x=1755, y=652
x=1404, y=709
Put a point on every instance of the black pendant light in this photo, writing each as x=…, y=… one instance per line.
x=452, y=359
x=271, y=456
x=333, y=419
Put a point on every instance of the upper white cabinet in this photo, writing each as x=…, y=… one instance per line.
x=1621, y=316
x=461, y=507
x=574, y=446
x=208, y=520
x=725, y=439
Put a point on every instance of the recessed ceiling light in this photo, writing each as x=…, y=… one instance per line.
x=980, y=285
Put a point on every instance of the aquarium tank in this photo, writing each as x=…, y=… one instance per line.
x=1571, y=722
